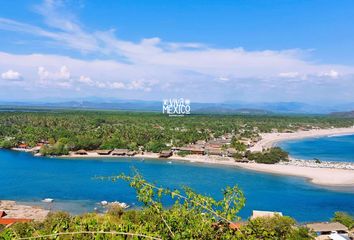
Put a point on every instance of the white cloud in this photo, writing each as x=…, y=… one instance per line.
x=45, y=75
x=134, y=85
x=64, y=84
x=11, y=75
x=85, y=80
x=64, y=73
x=289, y=75
x=331, y=74
x=117, y=85
x=223, y=78
x=157, y=57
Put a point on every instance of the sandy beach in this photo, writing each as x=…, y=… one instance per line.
x=317, y=175
x=321, y=176
x=270, y=139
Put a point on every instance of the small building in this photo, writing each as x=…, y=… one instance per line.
x=231, y=152
x=103, y=152
x=81, y=152
x=131, y=153
x=242, y=160
x=325, y=229
x=214, y=151
x=120, y=152
x=200, y=142
x=257, y=213
x=165, y=154
x=193, y=150
x=23, y=145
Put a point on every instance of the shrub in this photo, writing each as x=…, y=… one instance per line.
x=115, y=210
x=183, y=153
x=272, y=228
x=269, y=156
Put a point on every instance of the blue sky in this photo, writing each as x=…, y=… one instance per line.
x=207, y=51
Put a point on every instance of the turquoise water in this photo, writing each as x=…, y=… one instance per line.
x=70, y=182
x=332, y=148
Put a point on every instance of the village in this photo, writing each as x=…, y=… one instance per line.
x=223, y=146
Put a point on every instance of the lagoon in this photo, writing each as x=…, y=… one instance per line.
x=71, y=183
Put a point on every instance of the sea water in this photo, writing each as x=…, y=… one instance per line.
x=330, y=148
x=72, y=183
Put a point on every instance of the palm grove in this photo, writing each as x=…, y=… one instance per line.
x=66, y=131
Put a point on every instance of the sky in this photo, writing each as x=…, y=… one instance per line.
x=202, y=50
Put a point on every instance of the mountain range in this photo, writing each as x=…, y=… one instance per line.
x=199, y=108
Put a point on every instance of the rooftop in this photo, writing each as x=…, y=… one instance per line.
x=256, y=213
x=327, y=227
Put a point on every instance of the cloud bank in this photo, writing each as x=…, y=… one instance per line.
x=155, y=69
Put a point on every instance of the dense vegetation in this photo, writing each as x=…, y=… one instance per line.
x=192, y=216
x=268, y=156
x=73, y=130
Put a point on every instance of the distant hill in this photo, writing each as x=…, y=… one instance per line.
x=343, y=114
x=225, y=110
x=199, y=108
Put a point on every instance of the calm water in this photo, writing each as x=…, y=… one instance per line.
x=332, y=148
x=70, y=182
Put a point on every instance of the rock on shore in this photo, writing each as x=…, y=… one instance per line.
x=14, y=210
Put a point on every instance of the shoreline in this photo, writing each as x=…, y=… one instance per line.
x=270, y=139
x=331, y=177
x=321, y=174
x=14, y=209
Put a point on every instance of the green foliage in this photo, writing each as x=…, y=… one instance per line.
x=155, y=146
x=107, y=130
x=239, y=146
x=7, y=144
x=269, y=156
x=183, y=153
x=115, y=210
x=191, y=216
x=237, y=156
x=55, y=150
x=344, y=218
x=274, y=228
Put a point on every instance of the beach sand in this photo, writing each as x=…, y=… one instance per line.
x=15, y=210
x=321, y=176
x=270, y=139
x=316, y=175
